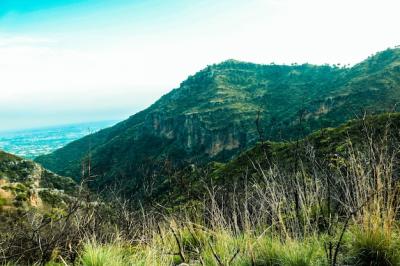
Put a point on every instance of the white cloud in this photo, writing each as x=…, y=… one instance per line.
x=12, y=41
x=38, y=74
x=128, y=67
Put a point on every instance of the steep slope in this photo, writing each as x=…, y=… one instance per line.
x=325, y=146
x=325, y=150
x=213, y=114
x=24, y=183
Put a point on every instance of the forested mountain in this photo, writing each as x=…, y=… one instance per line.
x=226, y=108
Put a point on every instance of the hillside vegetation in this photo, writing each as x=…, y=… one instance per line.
x=225, y=109
x=25, y=184
x=329, y=199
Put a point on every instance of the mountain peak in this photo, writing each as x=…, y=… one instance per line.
x=380, y=61
x=231, y=61
x=212, y=115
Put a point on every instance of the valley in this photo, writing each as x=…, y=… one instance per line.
x=30, y=143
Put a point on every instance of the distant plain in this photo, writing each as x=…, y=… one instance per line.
x=30, y=143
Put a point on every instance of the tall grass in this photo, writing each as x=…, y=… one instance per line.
x=373, y=247
x=331, y=209
x=203, y=247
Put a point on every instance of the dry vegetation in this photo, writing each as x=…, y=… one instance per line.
x=336, y=210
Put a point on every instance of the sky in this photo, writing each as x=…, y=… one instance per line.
x=68, y=61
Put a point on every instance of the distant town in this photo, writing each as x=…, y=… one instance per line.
x=30, y=143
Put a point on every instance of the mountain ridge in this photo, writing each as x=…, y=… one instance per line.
x=226, y=108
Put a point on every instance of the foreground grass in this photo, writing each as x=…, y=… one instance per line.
x=336, y=209
x=194, y=245
x=205, y=248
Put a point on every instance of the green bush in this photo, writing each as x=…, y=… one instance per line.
x=229, y=249
x=3, y=202
x=51, y=198
x=101, y=255
x=291, y=253
x=374, y=247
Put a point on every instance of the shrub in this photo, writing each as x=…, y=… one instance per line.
x=290, y=253
x=374, y=247
x=101, y=255
x=227, y=249
x=3, y=202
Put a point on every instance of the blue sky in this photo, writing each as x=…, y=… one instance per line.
x=23, y=6
x=82, y=60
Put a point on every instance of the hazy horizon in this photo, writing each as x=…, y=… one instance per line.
x=72, y=61
x=59, y=125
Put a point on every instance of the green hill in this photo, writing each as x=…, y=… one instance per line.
x=212, y=117
x=25, y=184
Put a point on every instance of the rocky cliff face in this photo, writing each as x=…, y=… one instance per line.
x=212, y=116
x=193, y=132
x=25, y=184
